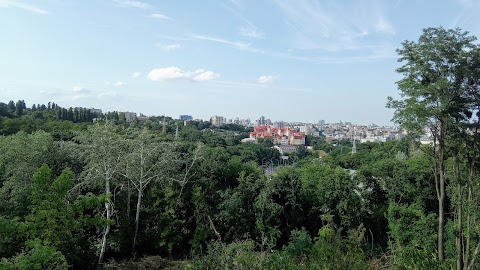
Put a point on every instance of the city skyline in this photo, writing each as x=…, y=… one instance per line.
x=288, y=60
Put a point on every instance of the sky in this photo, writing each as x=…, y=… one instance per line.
x=289, y=60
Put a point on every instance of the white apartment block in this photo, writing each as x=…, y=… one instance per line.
x=217, y=120
x=130, y=116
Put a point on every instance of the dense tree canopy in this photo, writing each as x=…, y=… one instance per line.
x=81, y=190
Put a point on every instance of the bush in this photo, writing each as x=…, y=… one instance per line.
x=145, y=263
x=416, y=258
x=329, y=251
x=333, y=251
x=40, y=257
x=6, y=265
x=300, y=243
x=237, y=255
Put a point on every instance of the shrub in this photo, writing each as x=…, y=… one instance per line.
x=145, y=263
x=40, y=257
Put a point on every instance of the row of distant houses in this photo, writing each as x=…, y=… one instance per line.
x=279, y=136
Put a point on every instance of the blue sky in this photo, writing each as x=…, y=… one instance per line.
x=291, y=60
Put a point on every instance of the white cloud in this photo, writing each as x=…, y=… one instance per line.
x=168, y=73
x=17, y=4
x=116, y=84
x=81, y=89
x=382, y=26
x=250, y=30
x=119, y=84
x=136, y=74
x=206, y=76
x=168, y=47
x=267, y=79
x=132, y=3
x=173, y=73
x=160, y=16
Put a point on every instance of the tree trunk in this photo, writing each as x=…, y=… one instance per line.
x=106, y=230
x=459, y=230
x=137, y=219
x=441, y=197
x=471, y=169
x=475, y=254
x=129, y=193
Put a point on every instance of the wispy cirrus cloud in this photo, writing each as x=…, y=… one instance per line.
x=247, y=29
x=466, y=16
x=236, y=44
x=133, y=3
x=256, y=86
x=161, y=16
x=251, y=31
x=331, y=26
x=24, y=6
x=175, y=73
x=168, y=47
x=366, y=53
x=382, y=26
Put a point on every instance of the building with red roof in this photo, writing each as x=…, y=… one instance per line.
x=279, y=136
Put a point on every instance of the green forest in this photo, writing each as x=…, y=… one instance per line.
x=81, y=190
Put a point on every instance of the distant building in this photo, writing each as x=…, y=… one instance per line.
x=250, y=140
x=279, y=124
x=304, y=129
x=285, y=149
x=217, y=120
x=130, y=116
x=261, y=121
x=279, y=136
x=185, y=117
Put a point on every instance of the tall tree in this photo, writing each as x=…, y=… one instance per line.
x=3, y=109
x=19, y=107
x=435, y=70
x=11, y=106
x=102, y=149
x=145, y=162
